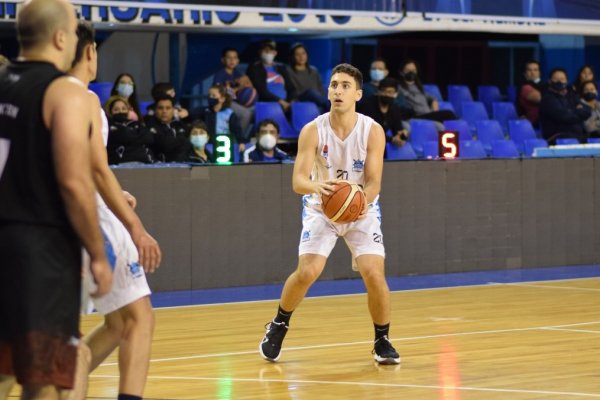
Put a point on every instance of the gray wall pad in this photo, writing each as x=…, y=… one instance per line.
x=222, y=226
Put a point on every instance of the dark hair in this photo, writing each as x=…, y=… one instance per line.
x=401, y=79
x=350, y=70
x=583, y=84
x=198, y=124
x=268, y=43
x=163, y=98
x=133, y=100
x=293, y=49
x=577, y=84
x=531, y=62
x=388, y=82
x=160, y=89
x=227, y=50
x=223, y=92
x=85, y=37
x=266, y=122
x=380, y=59
x=558, y=69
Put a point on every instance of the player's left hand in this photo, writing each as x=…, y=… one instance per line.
x=148, y=250
x=131, y=200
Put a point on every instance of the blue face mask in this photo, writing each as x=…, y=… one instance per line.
x=212, y=102
x=125, y=89
x=199, y=141
x=377, y=74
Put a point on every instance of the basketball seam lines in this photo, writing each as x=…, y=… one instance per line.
x=346, y=204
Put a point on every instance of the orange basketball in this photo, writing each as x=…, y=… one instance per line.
x=345, y=203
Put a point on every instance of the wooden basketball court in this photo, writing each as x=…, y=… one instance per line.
x=511, y=341
x=499, y=341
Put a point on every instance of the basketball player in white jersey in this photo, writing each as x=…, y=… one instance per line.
x=339, y=145
x=128, y=317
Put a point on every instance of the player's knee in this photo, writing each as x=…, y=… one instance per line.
x=371, y=273
x=308, y=274
x=139, y=315
x=84, y=354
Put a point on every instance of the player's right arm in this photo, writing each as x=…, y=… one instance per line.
x=66, y=113
x=305, y=159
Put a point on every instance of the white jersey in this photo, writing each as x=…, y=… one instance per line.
x=337, y=158
x=104, y=130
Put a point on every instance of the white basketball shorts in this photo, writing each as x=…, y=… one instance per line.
x=129, y=280
x=319, y=234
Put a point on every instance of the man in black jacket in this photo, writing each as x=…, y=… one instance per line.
x=561, y=113
x=270, y=78
x=171, y=138
x=383, y=109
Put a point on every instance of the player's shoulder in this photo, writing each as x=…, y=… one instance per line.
x=67, y=89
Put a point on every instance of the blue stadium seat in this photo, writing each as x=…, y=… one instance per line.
x=471, y=149
x=503, y=112
x=473, y=111
x=488, y=132
x=433, y=90
x=594, y=140
x=488, y=94
x=431, y=150
x=272, y=110
x=567, y=141
x=520, y=130
x=531, y=144
x=405, y=152
x=446, y=105
x=421, y=131
x=511, y=94
x=505, y=149
x=144, y=106
x=102, y=90
x=457, y=94
x=461, y=126
x=303, y=113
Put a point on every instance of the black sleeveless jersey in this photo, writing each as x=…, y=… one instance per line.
x=29, y=191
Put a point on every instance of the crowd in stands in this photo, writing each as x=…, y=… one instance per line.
x=164, y=131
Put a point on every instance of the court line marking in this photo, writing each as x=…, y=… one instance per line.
x=330, y=345
x=375, y=384
x=547, y=286
x=572, y=330
x=158, y=308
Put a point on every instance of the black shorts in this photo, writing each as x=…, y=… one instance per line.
x=40, y=291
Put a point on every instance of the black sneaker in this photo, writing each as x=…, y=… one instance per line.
x=270, y=347
x=384, y=353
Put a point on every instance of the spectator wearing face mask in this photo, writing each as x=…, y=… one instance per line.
x=171, y=138
x=266, y=149
x=199, y=138
x=270, y=78
x=561, y=113
x=220, y=118
x=377, y=73
x=383, y=109
x=585, y=73
x=423, y=105
x=125, y=87
x=530, y=93
x=128, y=141
x=589, y=96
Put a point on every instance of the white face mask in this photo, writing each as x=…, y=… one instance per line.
x=377, y=74
x=267, y=58
x=125, y=89
x=267, y=141
x=536, y=80
x=199, y=141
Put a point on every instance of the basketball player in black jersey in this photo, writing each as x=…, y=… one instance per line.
x=47, y=203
